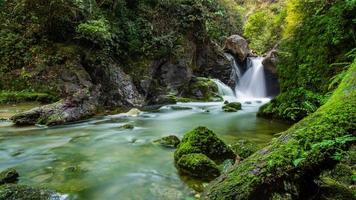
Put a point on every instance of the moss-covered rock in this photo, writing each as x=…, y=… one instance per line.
x=17, y=192
x=19, y=97
x=9, y=176
x=333, y=190
x=127, y=126
x=202, y=89
x=244, y=148
x=169, y=141
x=198, y=165
x=202, y=140
x=232, y=107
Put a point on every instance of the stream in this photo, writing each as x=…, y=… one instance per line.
x=99, y=159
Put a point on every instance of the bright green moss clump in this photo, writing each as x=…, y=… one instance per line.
x=199, y=153
x=198, y=165
x=203, y=140
x=232, y=107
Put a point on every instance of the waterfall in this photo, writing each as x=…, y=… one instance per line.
x=252, y=84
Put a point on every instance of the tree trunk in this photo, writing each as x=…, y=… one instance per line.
x=291, y=162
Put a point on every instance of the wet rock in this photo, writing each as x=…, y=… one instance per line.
x=232, y=107
x=205, y=141
x=244, y=148
x=202, y=89
x=9, y=176
x=17, y=192
x=237, y=46
x=127, y=126
x=81, y=105
x=133, y=112
x=198, y=165
x=248, y=102
x=181, y=108
x=171, y=141
x=270, y=61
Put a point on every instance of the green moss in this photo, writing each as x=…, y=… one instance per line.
x=244, y=148
x=205, y=141
x=198, y=165
x=20, y=97
x=232, y=107
x=16, y=192
x=8, y=176
x=201, y=89
x=333, y=190
x=169, y=141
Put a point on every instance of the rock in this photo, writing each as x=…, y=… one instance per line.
x=169, y=141
x=333, y=190
x=9, y=176
x=198, y=165
x=270, y=61
x=237, y=46
x=205, y=141
x=248, y=102
x=17, y=192
x=244, y=148
x=134, y=112
x=232, y=107
x=202, y=89
x=127, y=126
x=81, y=105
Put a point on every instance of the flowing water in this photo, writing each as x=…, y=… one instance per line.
x=98, y=159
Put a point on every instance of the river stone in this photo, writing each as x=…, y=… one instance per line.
x=169, y=141
x=23, y=192
x=198, y=165
x=202, y=140
x=232, y=107
x=9, y=176
x=238, y=46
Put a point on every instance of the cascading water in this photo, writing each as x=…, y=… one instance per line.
x=252, y=84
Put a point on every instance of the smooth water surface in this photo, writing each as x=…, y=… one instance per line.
x=98, y=159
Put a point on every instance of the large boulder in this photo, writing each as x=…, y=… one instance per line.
x=202, y=89
x=8, y=176
x=237, y=46
x=198, y=165
x=270, y=61
x=81, y=105
x=202, y=140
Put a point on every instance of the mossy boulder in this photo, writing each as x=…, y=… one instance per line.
x=127, y=126
x=202, y=140
x=232, y=107
x=202, y=89
x=331, y=189
x=244, y=148
x=171, y=141
x=9, y=176
x=198, y=165
x=17, y=192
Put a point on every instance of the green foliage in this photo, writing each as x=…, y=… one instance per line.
x=293, y=105
x=96, y=31
x=18, y=97
x=263, y=29
x=317, y=47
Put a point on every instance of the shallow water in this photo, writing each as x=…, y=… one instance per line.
x=97, y=159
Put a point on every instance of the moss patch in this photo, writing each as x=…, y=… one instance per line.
x=198, y=165
x=232, y=107
x=20, y=97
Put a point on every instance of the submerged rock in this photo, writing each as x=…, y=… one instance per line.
x=9, y=176
x=238, y=46
x=169, y=141
x=198, y=165
x=127, y=126
x=202, y=140
x=22, y=192
x=232, y=107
